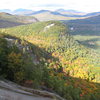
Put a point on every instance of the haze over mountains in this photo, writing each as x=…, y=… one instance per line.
x=82, y=23
x=44, y=15
x=26, y=11
x=86, y=22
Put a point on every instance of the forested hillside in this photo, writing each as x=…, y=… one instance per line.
x=86, y=31
x=44, y=55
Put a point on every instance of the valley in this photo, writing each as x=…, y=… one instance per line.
x=60, y=57
x=86, y=31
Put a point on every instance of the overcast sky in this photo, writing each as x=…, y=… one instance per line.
x=80, y=5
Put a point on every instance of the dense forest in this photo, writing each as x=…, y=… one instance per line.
x=44, y=55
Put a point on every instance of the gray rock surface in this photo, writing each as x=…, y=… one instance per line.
x=13, y=91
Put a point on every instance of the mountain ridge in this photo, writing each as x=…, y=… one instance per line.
x=87, y=26
x=59, y=14
x=9, y=20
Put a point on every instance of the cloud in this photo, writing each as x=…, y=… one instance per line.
x=46, y=6
x=81, y=5
x=52, y=5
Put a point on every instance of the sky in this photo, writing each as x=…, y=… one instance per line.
x=80, y=5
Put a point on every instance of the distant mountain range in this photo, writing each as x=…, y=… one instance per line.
x=19, y=11
x=6, y=10
x=24, y=16
x=60, y=14
x=89, y=20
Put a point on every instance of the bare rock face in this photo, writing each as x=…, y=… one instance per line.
x=12, y=91
x=10, y=95
x=47, y=27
